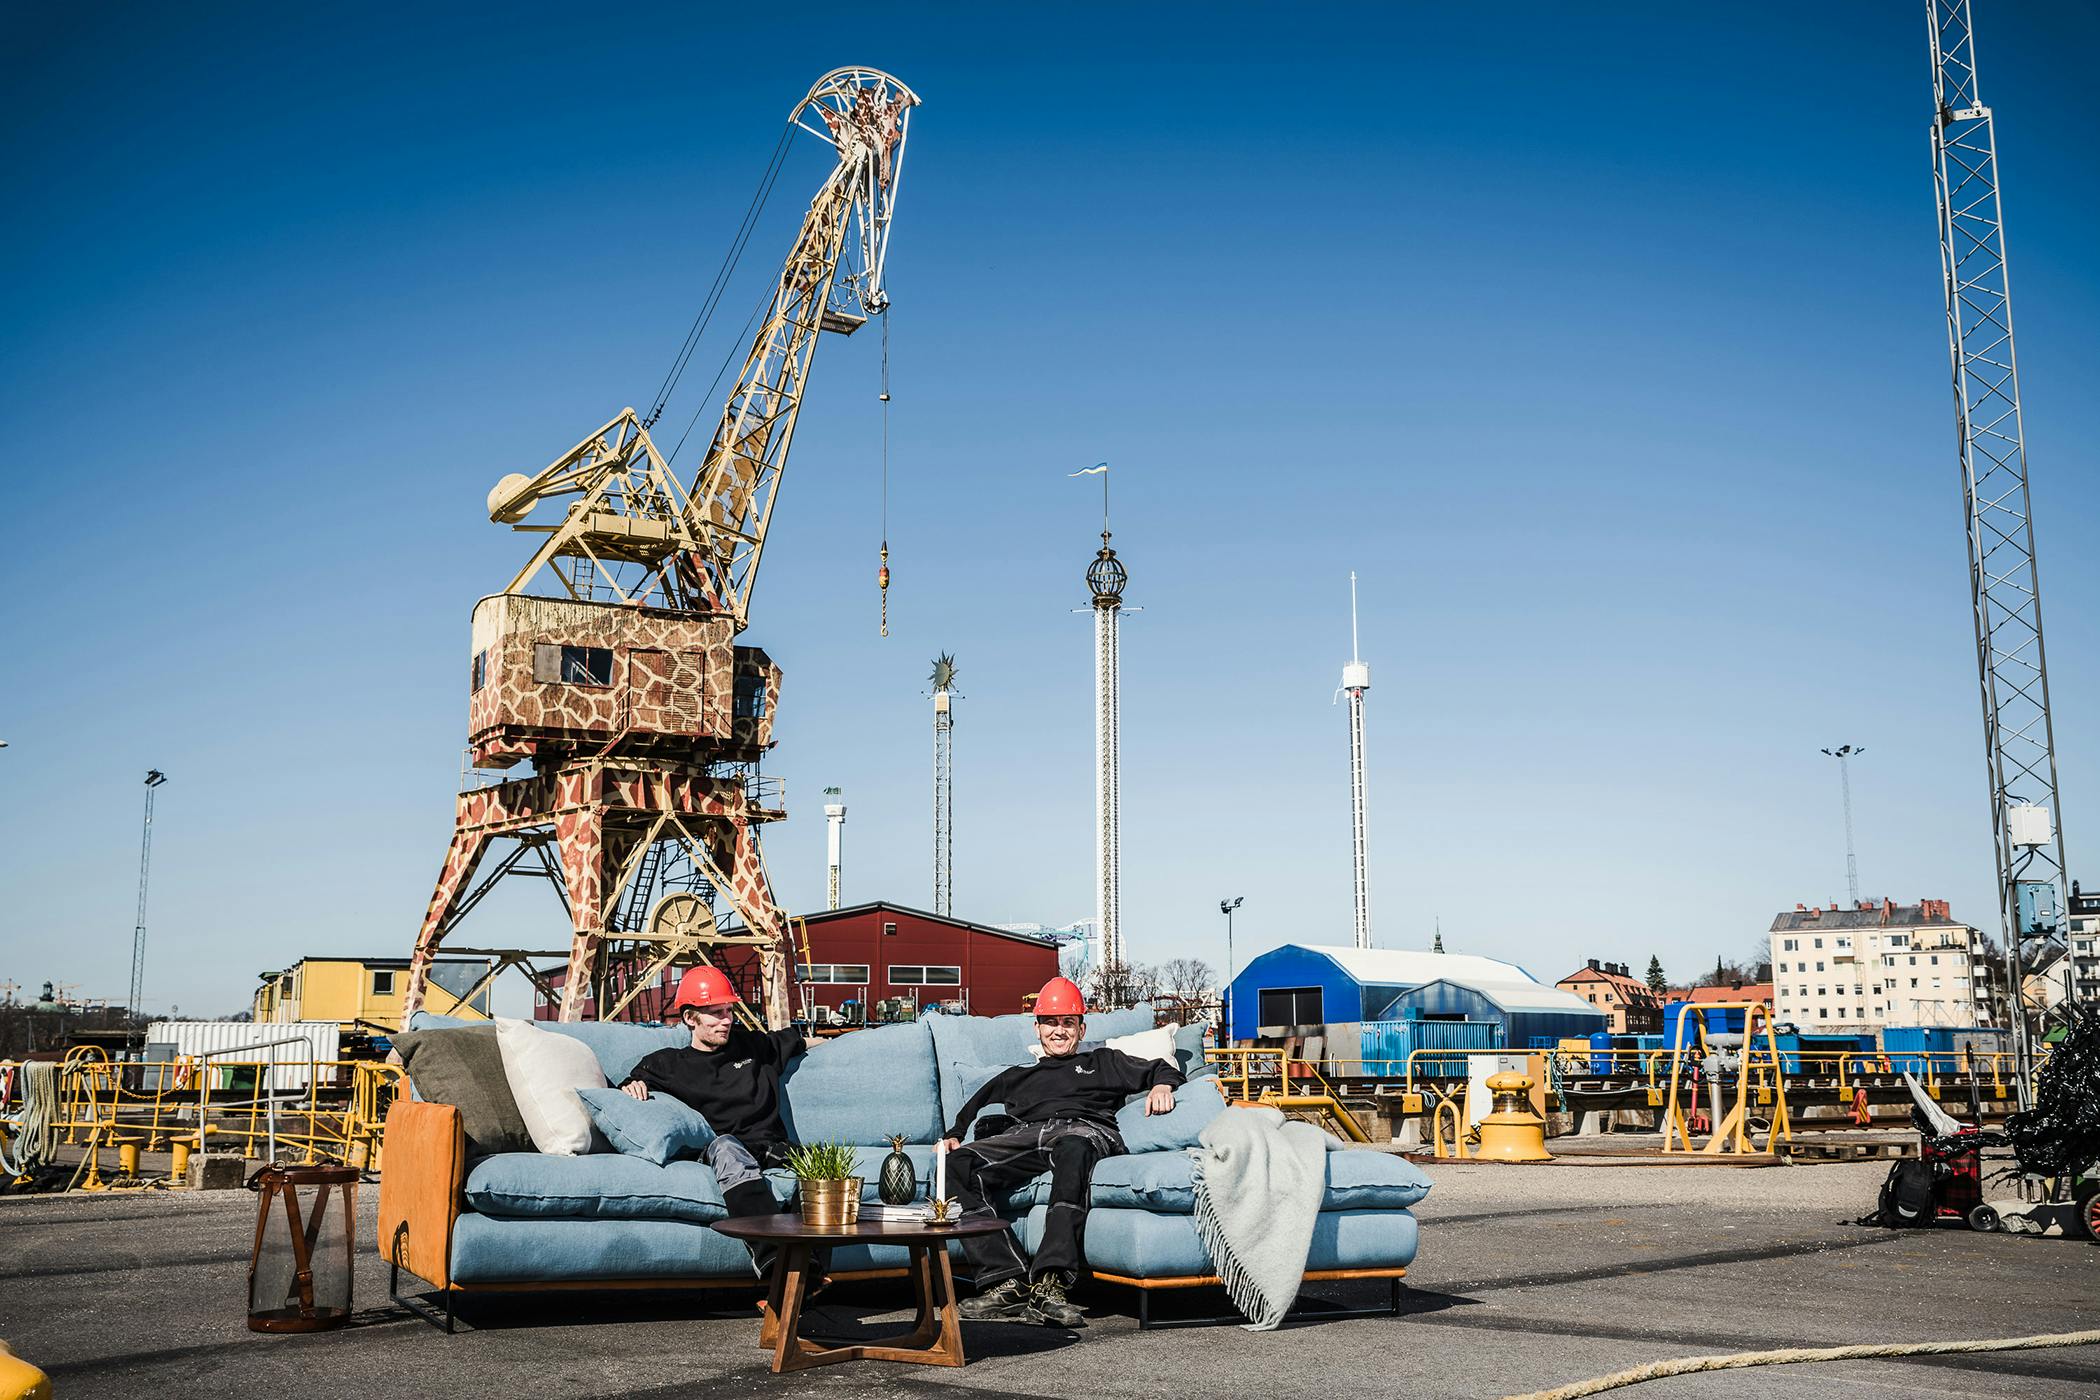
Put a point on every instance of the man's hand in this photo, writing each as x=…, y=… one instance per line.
x=635, y=1089
x=1160, y=1100
x=951, y=1144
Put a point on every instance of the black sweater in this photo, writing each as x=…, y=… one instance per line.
x=1089, y=1086
x=736, y=1088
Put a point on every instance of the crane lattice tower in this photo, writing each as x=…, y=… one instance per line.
x=622, y=682
x=2004, y=581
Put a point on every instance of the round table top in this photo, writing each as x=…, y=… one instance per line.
x=792, y=1227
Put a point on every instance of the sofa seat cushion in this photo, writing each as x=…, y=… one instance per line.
x=867, y=1166
x=488, y=1249
x=1153, y=1244
x=1165, y=1182
x=601, y=1185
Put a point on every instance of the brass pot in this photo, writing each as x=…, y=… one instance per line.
x=829, y=1205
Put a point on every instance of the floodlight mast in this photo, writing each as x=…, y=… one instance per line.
x=2005, y=585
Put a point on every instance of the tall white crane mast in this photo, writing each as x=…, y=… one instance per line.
x=1356, y=683
x=2005, y=586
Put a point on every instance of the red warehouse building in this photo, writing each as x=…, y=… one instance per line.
x=875, y=953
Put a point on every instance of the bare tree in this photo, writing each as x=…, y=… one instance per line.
x=1115, y=986
x=1187, y=979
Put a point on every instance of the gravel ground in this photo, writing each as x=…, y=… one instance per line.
x=1528, y=1277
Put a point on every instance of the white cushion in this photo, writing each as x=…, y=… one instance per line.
x=1156, y=1044
x=545, y=1070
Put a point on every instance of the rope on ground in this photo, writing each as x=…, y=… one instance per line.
x=1691, y=1365
x=35, y=1128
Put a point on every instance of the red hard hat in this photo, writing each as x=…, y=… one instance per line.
x=1060, y=996
x=703, y=986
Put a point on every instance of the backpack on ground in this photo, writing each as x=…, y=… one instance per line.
x=1907, y=1195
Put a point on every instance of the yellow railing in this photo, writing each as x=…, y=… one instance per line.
x=340, y=1113
x=1299, y=1084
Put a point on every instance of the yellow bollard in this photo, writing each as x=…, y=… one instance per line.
x=19, y=1380
x=1512, y=1133
x=128, y=1157
x=179, y=1168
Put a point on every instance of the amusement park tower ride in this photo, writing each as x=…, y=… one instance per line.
x=620, y=680
x=1105, y=578
x=944, y=697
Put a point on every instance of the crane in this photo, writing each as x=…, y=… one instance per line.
x=620, y=680
x=2004, y=583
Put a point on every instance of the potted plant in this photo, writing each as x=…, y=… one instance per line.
x=828, y=1190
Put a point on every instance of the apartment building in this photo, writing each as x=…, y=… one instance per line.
x=1876, y=965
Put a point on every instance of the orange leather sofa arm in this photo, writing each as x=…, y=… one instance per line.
x=419, y=1187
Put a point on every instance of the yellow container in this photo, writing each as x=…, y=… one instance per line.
x=830, y=1205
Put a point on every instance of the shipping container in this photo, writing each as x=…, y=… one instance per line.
x=242, y=1042
x=1915, y=1049
x=1387, y=1044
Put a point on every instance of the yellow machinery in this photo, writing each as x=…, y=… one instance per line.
x=19, y=1380
x=1731, y=1133
x=1300, y=1086
x=1512, y=1133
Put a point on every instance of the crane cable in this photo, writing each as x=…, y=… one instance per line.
x=730, y=259
x=1690, y=1365
x=882, y=575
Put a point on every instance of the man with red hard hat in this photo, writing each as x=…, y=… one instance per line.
x=1065, y=1106
x=729, y=1075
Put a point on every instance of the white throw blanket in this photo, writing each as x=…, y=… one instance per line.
x=1259, y=1181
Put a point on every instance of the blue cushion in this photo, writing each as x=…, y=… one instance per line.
x=1145, y=1244
x=655, y=1129
x=602, y=1185
x=1188, y=1049
x=1004, y=1040
x=1195, y=1104
x=864, y=1087
x=486, y=1249
x=619, y=1045
x=1165, y=1181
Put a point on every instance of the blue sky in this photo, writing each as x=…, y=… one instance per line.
x=1606, y=348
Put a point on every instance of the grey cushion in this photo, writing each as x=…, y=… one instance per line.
x=609, y=1185
x=464, y=1068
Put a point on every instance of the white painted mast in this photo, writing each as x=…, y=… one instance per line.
x=1356, y=682
x=944, y=785
x=835, y=842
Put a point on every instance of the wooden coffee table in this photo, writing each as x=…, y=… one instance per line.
x=936, y=1335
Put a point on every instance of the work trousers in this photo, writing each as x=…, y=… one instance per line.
x=982, y=1174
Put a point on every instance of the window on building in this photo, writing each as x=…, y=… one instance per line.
x=854, y=973
x=1935, y=984
x=572, y=665
x=1844, y=941
x=1819, y=942
x=1935, y=959
x=889, y=928
x=383, y=984
x=1791, y=944
x=481, y=669
x=1291, y=1006
x=911, y=975
x=1822, y=991
x=1822, y=1013
x=1782, y=967
x=1913, y=959
x=750, y=697
x=1899, y=940
x=1607, y=998
x=1914, y=983
x=1819, y=964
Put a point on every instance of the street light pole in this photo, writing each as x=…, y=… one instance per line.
x=1225, y=907
x=154, y=778
x=1843, y=754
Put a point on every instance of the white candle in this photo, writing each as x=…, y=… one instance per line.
x=940, y=1170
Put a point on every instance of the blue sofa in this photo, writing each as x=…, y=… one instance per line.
x=523, y=1221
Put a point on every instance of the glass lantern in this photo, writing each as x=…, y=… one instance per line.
x=299, y=1274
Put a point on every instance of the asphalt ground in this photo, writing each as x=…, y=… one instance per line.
x=1529, y=1277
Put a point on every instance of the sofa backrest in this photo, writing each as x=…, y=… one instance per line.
x=864, y=1086
x=967, y=1045
x=619, y=1045
x=861, y=1087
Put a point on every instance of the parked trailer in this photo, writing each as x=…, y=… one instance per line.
x=225, y=1041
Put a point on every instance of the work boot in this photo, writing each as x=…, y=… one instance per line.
x=1049, y=1307
x=755, y=1198
x=1005, y=1300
